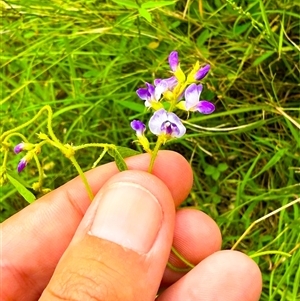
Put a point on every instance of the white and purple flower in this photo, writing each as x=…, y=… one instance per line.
x=192, y=102
x=152, y=94
x=166, y=123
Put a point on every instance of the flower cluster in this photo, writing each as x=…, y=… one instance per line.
x=165, y=95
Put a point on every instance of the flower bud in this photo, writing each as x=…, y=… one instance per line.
x=202, y=72
x=24, y=161
x=23, y=146
x=140, y=128
x=173, y=60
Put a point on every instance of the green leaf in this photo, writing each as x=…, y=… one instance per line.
x=263, y=57
x=134, y=106
x=127, y=152
x=174, y=25
x=26, y=194
x=156, y=4
x=120, y=162
x=216, y=175
x=239, y=29
x=222, y=167
x=209, y=170
x=127, y=3
x=216, y=199
x=203, y=37
x=145, y=14
x=272, y=161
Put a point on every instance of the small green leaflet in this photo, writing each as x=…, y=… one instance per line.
x=127, y=152
x=145, y=14
x=26, y=194
x=119, y=153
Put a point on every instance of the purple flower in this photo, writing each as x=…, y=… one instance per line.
x=166, y=123
x=138, y=126
x=173, y=60
x=151, y=93
x=202, y=72
x=22, y=164
x=171, y=82
x=192, y=103
x=19, y=147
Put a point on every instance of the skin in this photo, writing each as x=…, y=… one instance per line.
x=48, y=251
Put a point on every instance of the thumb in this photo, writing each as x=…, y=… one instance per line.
x=120, y=250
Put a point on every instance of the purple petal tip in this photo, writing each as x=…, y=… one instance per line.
x=205, y=107
x=202, y=72
x=22, y=164
x=138, y=126
x=173, y=60
x=18, y=148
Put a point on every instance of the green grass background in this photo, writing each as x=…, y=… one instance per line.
x=86, y=59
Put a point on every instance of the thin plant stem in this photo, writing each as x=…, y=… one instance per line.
x=81, y=174
x=49, y=124
x=182, y=258
x=24, y=124
x=154, y=153
x=103, y=145
x=263, y=218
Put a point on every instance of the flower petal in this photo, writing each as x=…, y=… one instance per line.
x=192, y=95
x=173, y=60
x=138, y=126
x=22, y=164
x=157, y=81
x=151, y=90
x=19, y=147
x=156, y=121
x=202, y=72
x=175, y=120
x=205, y=107
x=171, y=82
x=143, y=94
x=159, y=89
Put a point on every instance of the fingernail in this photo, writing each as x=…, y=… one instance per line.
x=128, y=215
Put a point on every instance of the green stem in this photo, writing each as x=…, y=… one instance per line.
x=24, y=124
x=49, y=124
x=179, y=256
x=15, y=134
x=84, y=180
x=5, y=159
x=159, y=142
x=39, y=167
x=103, y=145
x=39, y=113
x=182, y=258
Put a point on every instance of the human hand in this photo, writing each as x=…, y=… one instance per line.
x=62, y=247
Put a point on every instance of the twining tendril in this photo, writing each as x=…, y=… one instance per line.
x=33, y=149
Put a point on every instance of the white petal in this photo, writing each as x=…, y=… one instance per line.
x=159, y=89
x=192, y=95
x=156, y=121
